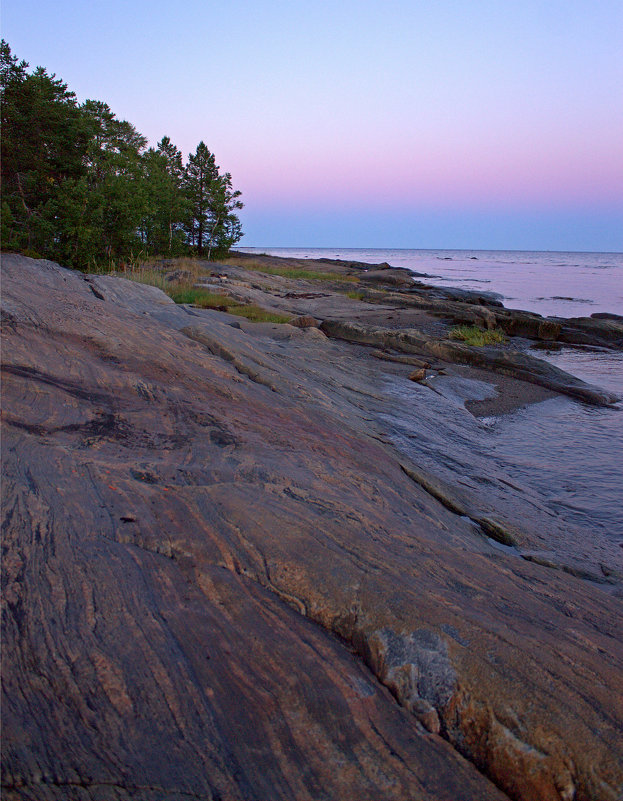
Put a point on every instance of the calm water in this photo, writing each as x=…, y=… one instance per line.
x=566, y=452
x=571, y=452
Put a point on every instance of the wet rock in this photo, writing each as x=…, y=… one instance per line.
x=513, y=363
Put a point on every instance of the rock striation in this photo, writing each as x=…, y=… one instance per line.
x=221, y=580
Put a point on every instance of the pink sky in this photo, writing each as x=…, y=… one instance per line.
x=327, y=113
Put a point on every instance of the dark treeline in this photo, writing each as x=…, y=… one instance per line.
x=80, y=186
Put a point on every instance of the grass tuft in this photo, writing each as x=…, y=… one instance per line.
x=472, y=335
x=196, y=296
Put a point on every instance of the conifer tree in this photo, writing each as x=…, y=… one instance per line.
x=116, y=192
x=201, y=173
x=225, y=227
x=214, y=226
x=167, y=207
x=44, y=139
x=79, y=185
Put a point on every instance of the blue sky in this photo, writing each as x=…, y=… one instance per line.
x=369, y=124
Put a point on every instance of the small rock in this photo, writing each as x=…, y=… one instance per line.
x=304, y=321
x=418, y=375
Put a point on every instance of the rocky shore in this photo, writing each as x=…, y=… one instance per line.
x=224, y=577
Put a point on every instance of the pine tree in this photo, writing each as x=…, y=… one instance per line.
x=167, y=208
x=214, y=226
x=115, y=199
x=44, y=140
x=201, y=173
x=225, y=227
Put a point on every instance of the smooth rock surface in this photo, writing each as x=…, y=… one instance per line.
x=220, y=582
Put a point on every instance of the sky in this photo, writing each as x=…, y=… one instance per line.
x=394, y=123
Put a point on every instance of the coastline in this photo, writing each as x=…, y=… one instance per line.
x=181, y=482
x=551, y=283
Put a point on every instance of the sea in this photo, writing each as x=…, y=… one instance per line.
x=568, y=452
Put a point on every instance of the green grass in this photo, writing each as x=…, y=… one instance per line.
x=196, y=296
x=472, y=335
x=204, y=299
x=185, y=292
x=354, y=295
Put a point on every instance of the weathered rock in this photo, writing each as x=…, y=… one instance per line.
x=607, y=316
x=389, y=276
x=526, y=368
x=418, y=375
x=512, y=363
x=177, y=275
x=391, y=357
x=182, y=542
x=304, y=321
x=605, y=331
x=526, y=324
x=486, y=316
x=453, y=294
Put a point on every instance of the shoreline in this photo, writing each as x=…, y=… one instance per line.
x=394, y=299
x=511, y=395
x=552, y=283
